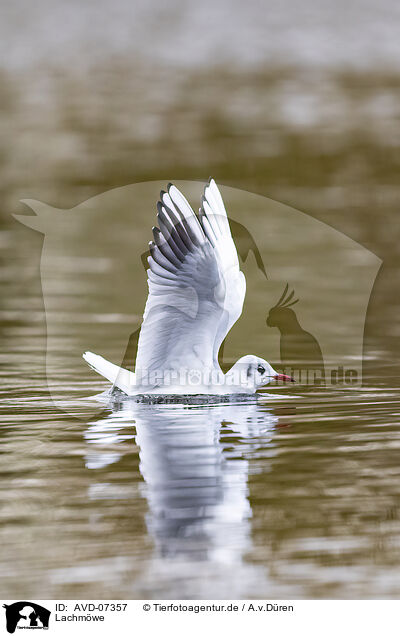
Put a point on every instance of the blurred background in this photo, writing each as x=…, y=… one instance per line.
x=296, y=101
x=299, y=101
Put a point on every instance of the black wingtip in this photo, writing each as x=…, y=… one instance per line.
x=169, y=186
x=163, y=220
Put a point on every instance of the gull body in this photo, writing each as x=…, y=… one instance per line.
x=196, y=294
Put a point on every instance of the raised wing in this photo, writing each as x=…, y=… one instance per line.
x=196, y=289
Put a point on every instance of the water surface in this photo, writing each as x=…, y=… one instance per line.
x=295, y=495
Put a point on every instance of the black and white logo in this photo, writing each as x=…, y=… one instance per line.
x=26, y=615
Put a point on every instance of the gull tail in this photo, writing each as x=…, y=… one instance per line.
x=119, y=377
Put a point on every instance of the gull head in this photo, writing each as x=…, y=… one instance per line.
x=254, y=372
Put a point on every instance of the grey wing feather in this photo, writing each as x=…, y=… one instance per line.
x=196, y=289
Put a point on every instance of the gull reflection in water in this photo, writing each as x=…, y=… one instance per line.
x=195, y=465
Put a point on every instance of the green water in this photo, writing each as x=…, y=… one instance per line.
x=296, y=496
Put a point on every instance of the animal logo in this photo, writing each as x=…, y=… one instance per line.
x=299, y=349
x=25, y=615
x=91, y=275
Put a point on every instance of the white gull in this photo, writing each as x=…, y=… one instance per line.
x=196, y=294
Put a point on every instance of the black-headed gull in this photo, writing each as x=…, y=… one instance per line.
x=196, y=294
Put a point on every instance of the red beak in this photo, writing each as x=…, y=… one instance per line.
x=284, y=378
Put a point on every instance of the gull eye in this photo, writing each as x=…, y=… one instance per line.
x=260, y=368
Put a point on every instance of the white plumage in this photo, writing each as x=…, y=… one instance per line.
x=196, y=294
